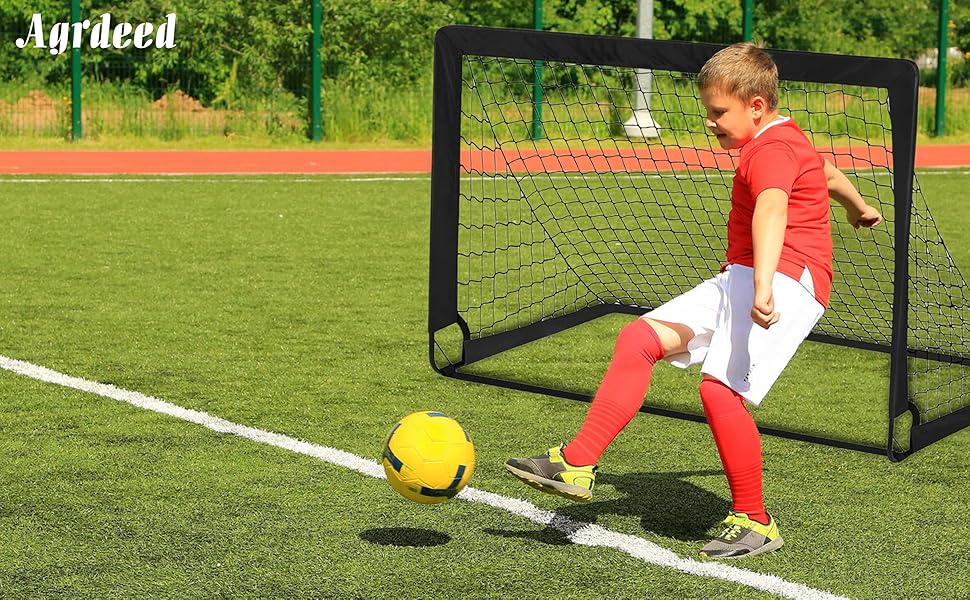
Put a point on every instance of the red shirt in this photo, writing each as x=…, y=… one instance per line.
x=780, y=156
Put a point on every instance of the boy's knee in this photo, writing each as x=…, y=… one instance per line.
x=710, y=388
x=718, y=397
x=637, y=339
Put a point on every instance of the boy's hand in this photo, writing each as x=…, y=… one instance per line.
x=763, y=312
x=867, y=217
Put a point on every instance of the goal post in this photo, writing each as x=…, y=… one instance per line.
x=530, y=238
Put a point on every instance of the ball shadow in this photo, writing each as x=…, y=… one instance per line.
x=405, y=536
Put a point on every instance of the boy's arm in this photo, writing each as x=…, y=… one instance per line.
x=768, y=236
x=856, y=210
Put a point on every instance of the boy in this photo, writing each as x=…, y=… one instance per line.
x=744, y=324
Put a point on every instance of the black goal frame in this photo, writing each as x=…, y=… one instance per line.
x=899, y=77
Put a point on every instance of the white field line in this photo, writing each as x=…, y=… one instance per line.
x=179, y=178
x=586, y=534
x=261, y=178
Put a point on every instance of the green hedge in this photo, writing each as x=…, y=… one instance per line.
x=250, y=60
x=229, y=49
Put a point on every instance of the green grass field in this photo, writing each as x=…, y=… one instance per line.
x=298, y=305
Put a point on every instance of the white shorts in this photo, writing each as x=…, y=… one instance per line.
x=744, y=356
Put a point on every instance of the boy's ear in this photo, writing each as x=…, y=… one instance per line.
x=759, y=106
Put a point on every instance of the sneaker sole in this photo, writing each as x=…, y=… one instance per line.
x=551, y=486
x=770, y=546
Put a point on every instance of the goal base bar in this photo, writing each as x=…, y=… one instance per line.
x=474, y=350
x=924, y=434
x=665, y=412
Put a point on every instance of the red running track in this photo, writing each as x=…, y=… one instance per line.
x=409, y=161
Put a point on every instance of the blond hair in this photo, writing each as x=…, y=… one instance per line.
x=744, y=71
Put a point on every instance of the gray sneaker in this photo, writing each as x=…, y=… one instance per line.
x=551, y=473
x=743, y=537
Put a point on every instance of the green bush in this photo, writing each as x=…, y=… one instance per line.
x=960, y=73
x=251, y=58
x=234, y=49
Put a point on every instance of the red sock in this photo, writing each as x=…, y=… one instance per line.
x=620, y=394
x=738, y=444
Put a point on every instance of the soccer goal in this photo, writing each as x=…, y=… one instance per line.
x=531, y=238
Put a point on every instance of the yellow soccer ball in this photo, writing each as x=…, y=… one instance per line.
x=428, y=457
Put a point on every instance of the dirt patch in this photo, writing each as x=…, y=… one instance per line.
x=35, y=112
x=178, y=100
x=35, y=100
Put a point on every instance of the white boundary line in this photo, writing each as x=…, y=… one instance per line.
x=259, y=178
x=585, y=534
x=348, y=177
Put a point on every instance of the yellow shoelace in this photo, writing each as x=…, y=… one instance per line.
x=732, y=531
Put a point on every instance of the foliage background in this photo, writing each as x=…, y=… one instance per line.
x=391, y=41
x=377, y=54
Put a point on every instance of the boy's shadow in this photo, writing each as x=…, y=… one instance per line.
x=666, y=503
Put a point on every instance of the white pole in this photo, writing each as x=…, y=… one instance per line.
x=641, y=124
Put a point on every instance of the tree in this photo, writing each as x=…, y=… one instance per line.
x=899, y=28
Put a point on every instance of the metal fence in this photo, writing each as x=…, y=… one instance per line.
x=94, y=92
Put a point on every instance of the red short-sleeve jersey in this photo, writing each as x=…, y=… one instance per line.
x=781, y=157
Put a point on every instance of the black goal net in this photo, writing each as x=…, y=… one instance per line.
x=549, y=211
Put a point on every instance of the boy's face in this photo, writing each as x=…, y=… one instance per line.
x=733, y=121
